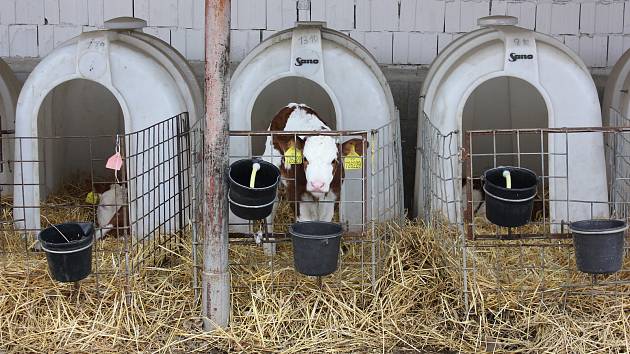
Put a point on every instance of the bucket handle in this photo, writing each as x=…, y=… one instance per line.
x=508, y=200
x=251, y=206
x=600, y=232
x=68, y=252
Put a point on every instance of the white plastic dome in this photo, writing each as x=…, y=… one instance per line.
x=616, y=95
x=9, y=91
x=146, y=80
x=316, y=66
x=550, y=86
x=346, y=85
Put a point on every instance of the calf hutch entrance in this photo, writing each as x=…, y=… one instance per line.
x=339, y=80
x=103, y=134
x=9, y=91
x=506, y=96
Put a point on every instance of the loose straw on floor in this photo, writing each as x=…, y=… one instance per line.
x=416, y=304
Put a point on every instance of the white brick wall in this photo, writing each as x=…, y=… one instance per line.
x=163, y=13
x=525, y=11
x=23, y=41
x=380, y=44
x=185, y=13
x=117, y=8
x=461, y=16
x=96, y=12
x=7, y=12
x=422, y=15
x=414, y=47
x=408, y=32
x=73, y=12
x=51, y=11
x=281, y=14
x=32, y=28
x=412, y=32
x=338, y=14
x=29, y=12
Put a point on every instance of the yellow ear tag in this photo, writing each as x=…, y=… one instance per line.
x=352, y=161
x=91, y=198
x=293, y=156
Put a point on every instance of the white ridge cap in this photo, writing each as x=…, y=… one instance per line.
x=125, y=23
x=498, y=20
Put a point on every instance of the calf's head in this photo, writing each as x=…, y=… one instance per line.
x=321, y=159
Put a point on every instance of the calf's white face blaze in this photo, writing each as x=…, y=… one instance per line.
x=320, y=158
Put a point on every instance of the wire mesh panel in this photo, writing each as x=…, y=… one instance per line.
x=440, y=156
x=158, y=179
x=370, y=196
x=617, y=161
x=136, y=188
x=537, y=257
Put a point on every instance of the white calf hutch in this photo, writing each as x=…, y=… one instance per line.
x=506, y=96
x=506, y=77
x=98, y=94
x=341, y=81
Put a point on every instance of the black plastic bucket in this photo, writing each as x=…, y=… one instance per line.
x=253, y=203
x=315, y=247
x=509, y=207
x=598, y=245
x=68, y=261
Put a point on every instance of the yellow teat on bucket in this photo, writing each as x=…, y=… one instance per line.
x=508, y=179
x=252, y=179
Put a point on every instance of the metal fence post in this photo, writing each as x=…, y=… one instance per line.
x=216, y=276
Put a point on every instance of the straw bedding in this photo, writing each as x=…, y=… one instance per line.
x=417, y=305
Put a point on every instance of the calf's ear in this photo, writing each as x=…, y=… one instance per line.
x=285, y=142
x=356, y=145
x=100, y=187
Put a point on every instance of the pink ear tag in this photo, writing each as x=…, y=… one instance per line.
x=115, y=162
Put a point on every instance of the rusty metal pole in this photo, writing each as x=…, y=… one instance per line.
x=216, y=276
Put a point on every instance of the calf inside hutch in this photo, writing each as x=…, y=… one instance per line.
x=333, y=186
x=134, y=188
x=553, y=249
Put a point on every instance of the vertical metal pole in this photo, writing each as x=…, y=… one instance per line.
x=216, y=276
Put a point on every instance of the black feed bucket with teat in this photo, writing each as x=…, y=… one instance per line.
x=253, y=203
x=599, y=245
x=509, y=205
x=316, y=247
x=68, y=250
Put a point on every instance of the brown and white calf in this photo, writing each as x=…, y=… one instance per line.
x=478, y=196
x=318, y=179
x=112, y=211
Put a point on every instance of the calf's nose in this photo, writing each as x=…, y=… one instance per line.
x=317, y=185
